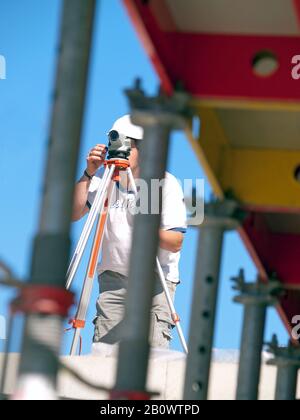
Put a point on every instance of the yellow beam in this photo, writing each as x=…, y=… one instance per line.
x=262, y=177
x=259, y=177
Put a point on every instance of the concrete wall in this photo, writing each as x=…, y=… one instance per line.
x=166, y=376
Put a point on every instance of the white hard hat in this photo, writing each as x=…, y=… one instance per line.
x=124, y=126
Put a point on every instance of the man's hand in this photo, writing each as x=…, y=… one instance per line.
x=95, y=158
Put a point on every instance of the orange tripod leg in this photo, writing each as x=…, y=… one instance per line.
x=79, y=322
x=98, y=241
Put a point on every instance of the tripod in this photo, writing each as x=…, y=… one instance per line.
x=100, y=210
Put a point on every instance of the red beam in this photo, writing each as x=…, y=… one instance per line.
x=297, y=9
x=216, y=66
x=278, y=253
x=221, y=66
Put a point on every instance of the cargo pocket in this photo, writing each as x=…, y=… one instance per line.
x=161, y=330
x=98, y=333
x=107, y=330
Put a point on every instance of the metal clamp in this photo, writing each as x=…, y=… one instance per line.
x=258, y=292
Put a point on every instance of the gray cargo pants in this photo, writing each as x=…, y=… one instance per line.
x=111, y=305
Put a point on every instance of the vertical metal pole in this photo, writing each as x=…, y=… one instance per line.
x=255, y=297
x=157, y=120
x=287, y=361
x=250, y=352
x=134, y=349
x=218, y=218
x=286, y=385
x=205, y=295
x=5, y=362
x=42, y=335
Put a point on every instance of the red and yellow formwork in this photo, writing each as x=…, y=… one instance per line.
x=236, y=60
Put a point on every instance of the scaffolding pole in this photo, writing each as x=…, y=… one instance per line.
x=286, y=383
x=42, y=333
x=255, y=297
x=218, y=219
x=287, y=361
x=158, y=116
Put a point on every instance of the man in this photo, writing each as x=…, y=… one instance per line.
x=114, y=265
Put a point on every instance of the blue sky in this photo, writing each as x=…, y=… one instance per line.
x=28, y=41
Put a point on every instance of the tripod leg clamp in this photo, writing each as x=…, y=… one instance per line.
x=77, y=323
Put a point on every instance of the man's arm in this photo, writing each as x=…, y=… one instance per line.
x=170, y=240
x=95, y=159
x=80, y=198
x=173, y=221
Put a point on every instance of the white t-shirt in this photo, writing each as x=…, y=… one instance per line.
x=118, y=232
